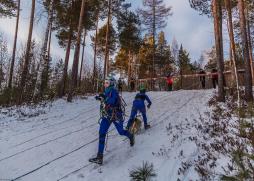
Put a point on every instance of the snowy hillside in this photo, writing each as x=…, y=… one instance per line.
x=57, y=144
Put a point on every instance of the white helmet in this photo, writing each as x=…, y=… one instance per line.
x=112, y=80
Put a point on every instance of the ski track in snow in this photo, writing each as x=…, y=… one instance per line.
x=57, y=145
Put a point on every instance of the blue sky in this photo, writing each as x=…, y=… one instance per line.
x=195, y=32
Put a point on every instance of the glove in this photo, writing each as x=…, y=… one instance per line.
x=148, y=106
x=102, y=96
x=98, y=98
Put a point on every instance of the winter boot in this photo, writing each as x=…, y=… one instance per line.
x=132, y=140
x=147, y=126
x=98, y=159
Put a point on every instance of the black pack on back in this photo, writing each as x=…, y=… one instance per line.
x=121, y=104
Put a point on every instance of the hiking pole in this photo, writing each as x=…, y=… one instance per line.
x=106, y=142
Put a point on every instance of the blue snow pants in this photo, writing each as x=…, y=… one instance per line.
x=104, y=126
x=137, y=106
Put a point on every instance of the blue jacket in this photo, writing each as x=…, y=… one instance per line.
x=111, y=100
x=140, y=99
x=111, y=97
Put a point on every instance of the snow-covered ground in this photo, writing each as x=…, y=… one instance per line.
x=57, y=144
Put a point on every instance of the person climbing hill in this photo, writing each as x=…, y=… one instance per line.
x=139, y=105
x=112, y=113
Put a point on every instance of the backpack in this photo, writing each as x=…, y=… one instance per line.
x=121, y=104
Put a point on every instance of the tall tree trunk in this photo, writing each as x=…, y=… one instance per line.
x=1, y=75
x=154, y=34
x=74, y=76
x=217, y=14
x=249, y=41
x=66, y=63
x=14, y=47
x=43, y=65
x=232, y=46
x=46, y=78
x=248, y=79
x=106, y=61
x=95, y=50
x=129, y=69
x=50, y=39
x=82, y=59
x=27, y=55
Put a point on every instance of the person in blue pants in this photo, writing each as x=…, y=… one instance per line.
x=139, y=105
x=113, y=114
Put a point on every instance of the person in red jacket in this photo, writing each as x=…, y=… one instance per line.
x=169, y=82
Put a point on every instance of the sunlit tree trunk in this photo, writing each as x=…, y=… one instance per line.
x=95, y=51
x=232, y=46
x=27, y=55
x=245, y=45
x=74, y=73
x=249, y=41
x=106, y=60
x=217, y=14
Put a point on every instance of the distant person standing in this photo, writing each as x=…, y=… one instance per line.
x=169, y=82
x=132, y=84
x=202, y=78
x=120, y=85
x=214, y=78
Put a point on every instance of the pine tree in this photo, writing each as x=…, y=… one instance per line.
x=66, y=23
x=183, y=63
x=41, y=82
x=56, y=77
x=228, y=6
x=129, y=37
x=163, y=55
x=202, y=6
x=7, y=8
x=82, y=58
x=74, y=76
x=217, y=15
x=245, y=44
x=95, y=50
x=27, y=55
x=14, y=47
x=145, y=57
x=153, y=17
x=113, y=8
x=101, y=49
x=248, y=22
x=100, y=15
x=4, y=56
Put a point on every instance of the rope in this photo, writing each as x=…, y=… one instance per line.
x=103, y=113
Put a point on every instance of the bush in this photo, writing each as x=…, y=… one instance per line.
x=144, y=173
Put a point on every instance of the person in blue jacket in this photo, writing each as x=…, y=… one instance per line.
x=113, y=114
x=139, y=105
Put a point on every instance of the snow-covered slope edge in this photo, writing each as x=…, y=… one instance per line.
x=58, y=144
